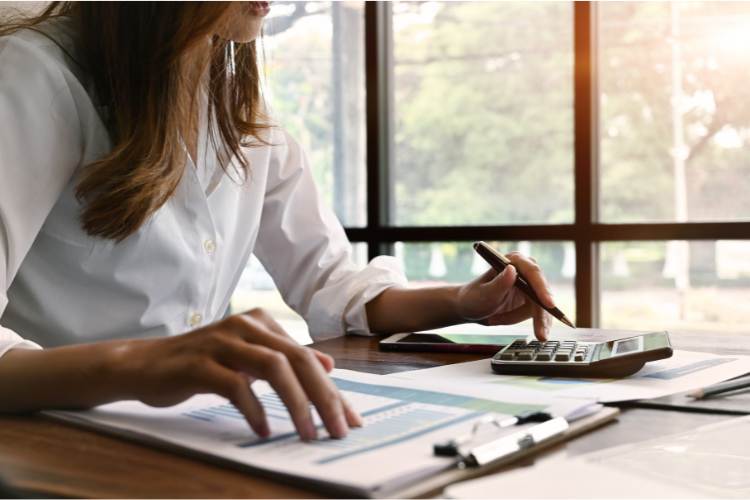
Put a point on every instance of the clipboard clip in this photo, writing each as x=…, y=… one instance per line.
x=505, y=446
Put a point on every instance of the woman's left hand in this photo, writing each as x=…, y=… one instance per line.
x=491, y=299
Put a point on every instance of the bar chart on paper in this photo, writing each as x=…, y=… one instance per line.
x=396, y=415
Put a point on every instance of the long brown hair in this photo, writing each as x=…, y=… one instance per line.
x=140, y=56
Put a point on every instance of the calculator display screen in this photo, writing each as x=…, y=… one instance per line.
x=627, y=346
x=632, y=345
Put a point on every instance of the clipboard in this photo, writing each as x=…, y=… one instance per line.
x=434, y=485
x=429, y=486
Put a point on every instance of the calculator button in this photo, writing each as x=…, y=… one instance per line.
x=562, y=356
x=579, y=356
x=552, y=343
x=544, y=356
x=526, y=355
x=508, y=356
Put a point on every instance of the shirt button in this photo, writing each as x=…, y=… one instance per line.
x=209, y=246
x=195, y=319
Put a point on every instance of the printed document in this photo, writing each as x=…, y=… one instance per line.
x=403, y=420
x=684, y=371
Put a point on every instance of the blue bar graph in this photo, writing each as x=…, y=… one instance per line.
x=271, y=403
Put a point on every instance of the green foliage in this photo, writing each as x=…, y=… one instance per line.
x=484, y=118
x=298, y=71
x=484, y=115
x=636, y=109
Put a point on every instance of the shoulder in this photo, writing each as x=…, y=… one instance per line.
x=43, y=87
x=43, y=59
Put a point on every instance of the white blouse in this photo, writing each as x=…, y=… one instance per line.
x=179, y=270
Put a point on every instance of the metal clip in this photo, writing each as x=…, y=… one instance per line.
x=502, y=447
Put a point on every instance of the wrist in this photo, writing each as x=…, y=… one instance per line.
x=455, y=295
x=118, y=369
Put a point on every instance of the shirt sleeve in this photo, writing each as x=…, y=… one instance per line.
x=303, y=246
x=40, y=148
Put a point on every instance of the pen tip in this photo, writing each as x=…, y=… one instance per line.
x=565, y=320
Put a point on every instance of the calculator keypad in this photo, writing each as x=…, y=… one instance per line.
x=550, y=351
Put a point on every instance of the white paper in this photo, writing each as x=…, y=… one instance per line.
x=684, y=371
x=403, y=419
x=707, y=462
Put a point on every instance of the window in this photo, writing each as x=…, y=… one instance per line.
x=482, y=113
x=314, y=79
x=611, y=139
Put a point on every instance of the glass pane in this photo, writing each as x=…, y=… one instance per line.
x=257, y=289
x=701, y=286
x=675, y=111
x=440, y=263
x=483, y=113
x=314, y=64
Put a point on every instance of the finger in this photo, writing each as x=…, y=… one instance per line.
x=327, y=361
x=488, y=276
x=271, y=365
x=268, y=321
x=502, y=283
x=542, y=322
x=236, y=388
x=534, y=276
x=310, y=373
x=513, y=316
x=264, y=317
x=321, y=390
x=352, y=416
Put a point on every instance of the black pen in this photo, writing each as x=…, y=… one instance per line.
x=713, y=390
x=499, y=262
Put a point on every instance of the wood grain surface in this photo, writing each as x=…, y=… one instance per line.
x=51, y=459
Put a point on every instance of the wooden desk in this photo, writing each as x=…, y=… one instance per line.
x=49, y=458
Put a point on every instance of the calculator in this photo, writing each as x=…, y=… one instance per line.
x=571, y=358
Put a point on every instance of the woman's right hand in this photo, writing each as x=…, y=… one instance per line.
x=224, y=358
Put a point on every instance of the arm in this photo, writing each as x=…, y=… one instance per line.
x=303, y=246
x=490, y=299
x=42, y=143
x=222, y=358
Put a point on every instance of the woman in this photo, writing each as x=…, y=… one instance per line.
x=139, y=168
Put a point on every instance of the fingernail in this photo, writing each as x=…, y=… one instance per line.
x=358, y=419
x=352, y=414
x=264, y=431
x=340, y=427
x=310, y=432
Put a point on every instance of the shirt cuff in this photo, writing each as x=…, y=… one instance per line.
x=340, y=308
x=385, y=272
x=11, y=340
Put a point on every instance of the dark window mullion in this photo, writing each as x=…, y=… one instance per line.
x=567, y=232
x=586, y=163
x=379, y=111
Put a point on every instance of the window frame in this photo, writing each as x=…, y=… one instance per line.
x=586, y=232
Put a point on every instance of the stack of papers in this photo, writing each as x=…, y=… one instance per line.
x=403, y=420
